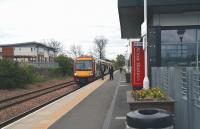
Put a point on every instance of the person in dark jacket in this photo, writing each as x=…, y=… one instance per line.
x=120, y=69
x=102, y=72
x=111, y=72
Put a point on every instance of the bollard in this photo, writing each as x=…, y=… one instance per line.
x=149, y=119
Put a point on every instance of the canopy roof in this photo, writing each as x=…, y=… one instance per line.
x=131, y=12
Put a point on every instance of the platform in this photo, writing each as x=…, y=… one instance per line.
x=99, y=105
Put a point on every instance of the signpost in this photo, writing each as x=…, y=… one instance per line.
x=137, y=65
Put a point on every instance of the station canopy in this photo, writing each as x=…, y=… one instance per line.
x=131, y=13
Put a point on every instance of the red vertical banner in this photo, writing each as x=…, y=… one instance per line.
x=137, y=65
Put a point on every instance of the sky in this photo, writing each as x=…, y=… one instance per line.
x=68, y=21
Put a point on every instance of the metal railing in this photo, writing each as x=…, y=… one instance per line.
x=182, y=84
x=43, y=64
x=196, y=87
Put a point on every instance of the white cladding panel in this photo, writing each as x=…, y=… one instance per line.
x=40, y=49
x=46, y=53
x=25, y=51
x=51, y=53
x=181, y=19
x=0, y=49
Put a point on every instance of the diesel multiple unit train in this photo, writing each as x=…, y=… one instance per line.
x=87, y=68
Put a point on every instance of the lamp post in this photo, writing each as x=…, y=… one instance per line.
x=197, y=51
x=180, y=33
x=144, y=34
x=197, y=57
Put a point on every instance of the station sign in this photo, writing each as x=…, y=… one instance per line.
x=137, y=65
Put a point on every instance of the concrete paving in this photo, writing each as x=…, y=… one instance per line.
x=121, y=108
x=105, y=108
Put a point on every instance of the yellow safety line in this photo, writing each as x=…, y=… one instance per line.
x=72, y=103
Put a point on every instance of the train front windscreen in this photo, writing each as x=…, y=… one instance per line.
x=83, y=65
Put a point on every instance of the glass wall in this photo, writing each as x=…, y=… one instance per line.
x=179, y=46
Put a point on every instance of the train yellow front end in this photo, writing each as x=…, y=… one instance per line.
x=84, y=69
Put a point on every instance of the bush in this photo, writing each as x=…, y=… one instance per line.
x=54, y=72
x=65, y=65
x=14, y=75
x=39, y=78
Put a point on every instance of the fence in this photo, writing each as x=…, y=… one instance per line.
x=182, y=84
x=43, y=64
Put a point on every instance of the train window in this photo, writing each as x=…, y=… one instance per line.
x=83, y=65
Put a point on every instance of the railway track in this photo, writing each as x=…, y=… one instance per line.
x=16, y=100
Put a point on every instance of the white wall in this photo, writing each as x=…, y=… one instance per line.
x=46, y=53
x=41, y=50
x=0, y=53
x=181, y=19
x=25, y=51
x=51, y=53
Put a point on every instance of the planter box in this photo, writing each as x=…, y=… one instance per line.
x=162, y=104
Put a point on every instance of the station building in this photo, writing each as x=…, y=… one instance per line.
x=173, y=29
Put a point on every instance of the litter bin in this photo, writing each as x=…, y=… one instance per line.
x=149, y=119
x=127, y=77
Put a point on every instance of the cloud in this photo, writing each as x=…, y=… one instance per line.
x=64, y=20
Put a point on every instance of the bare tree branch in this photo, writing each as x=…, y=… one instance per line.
x=57, y=45
x=76, y=50
x=100, y=44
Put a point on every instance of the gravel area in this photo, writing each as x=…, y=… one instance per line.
x=25, y=106
x=10, y=93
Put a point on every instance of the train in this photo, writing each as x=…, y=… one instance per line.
x=88, y=68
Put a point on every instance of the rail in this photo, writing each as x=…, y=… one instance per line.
x=6, y=103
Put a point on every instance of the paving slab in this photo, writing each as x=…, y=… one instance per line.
x=105, y=108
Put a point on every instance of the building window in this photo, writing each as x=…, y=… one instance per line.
x=19, y=49
x=180, y=46
x=31, y=49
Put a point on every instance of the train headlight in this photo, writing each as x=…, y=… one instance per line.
x=91, y=74
x=75, y=74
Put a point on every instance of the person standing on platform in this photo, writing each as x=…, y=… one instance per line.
x=111, y=72
x=120, y=69
x=102, y=72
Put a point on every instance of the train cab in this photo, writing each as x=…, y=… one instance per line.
x=84, y=69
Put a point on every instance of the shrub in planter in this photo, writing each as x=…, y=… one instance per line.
x=150, y=94
x=152, y=98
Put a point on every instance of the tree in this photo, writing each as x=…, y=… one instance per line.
x=92, y=52
x=100, y=44
x=76, y=51
x=120, y=61
x=57, y=45
x=65, y=64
